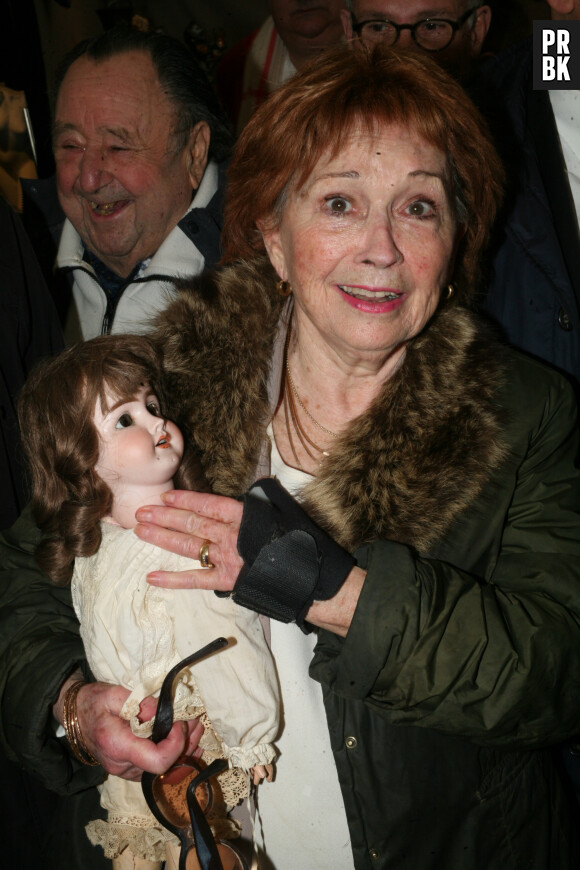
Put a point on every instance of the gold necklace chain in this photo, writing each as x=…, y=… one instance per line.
x=306, y=411
x=292, y=417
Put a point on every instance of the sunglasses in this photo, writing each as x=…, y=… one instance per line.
x=181, y=797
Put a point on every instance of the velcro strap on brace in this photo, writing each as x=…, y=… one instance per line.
x=289, y=560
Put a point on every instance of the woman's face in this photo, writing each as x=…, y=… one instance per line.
x=368, y=243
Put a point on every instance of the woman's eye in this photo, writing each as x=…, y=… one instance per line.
x=124, y=421
x=420, y=208
x=153, y=409
x=338, y=205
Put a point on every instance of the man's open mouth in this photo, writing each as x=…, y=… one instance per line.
x=107, y=208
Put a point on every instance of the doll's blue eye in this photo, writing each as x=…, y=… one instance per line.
x=124, y=421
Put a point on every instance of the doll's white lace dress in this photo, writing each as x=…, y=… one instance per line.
x=133, y=634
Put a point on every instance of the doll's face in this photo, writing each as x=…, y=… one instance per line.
x=139, y=448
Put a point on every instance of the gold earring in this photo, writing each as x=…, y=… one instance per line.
x=450, y=291
x=284, y=288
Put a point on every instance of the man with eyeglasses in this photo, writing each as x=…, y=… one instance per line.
x=452, y=31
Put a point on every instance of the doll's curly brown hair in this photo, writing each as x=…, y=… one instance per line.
x=61, y=442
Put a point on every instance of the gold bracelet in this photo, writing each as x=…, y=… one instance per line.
x=70, y=722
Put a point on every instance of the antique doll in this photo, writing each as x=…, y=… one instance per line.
x=100, y=447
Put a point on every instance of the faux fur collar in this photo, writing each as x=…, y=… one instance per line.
x=404, y=470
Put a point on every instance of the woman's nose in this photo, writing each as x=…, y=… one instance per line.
x=378, y=245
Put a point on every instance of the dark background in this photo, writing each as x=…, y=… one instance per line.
x=35, y=34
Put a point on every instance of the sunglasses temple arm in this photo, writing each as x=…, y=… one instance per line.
x=164, y=715
x=205, y=845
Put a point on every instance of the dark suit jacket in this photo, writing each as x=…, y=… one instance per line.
x=534, y=288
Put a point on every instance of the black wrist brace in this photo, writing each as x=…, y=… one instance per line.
x=289, y=560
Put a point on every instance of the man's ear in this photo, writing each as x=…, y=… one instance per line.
x=480, y=29
x=274, y=250
x=197, y=151
x=346, y=19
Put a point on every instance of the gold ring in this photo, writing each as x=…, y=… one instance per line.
x=204, y=555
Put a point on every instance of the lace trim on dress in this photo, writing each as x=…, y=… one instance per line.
x=234, y=783
x=144, y=839
x=187, y=704
x=239, y=756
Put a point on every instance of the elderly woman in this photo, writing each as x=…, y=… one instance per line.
x=432, y=559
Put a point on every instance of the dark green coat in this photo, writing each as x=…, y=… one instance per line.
x=459, y=494
x=460, y=666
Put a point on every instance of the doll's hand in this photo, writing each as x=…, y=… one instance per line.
x=262, y=771
x=110, y=740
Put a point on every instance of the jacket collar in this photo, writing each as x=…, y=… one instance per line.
x=404, y=470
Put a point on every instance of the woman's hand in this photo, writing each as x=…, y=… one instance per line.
x=182, y=525
x=109, y=738
x=190, y=518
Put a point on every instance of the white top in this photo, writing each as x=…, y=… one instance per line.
x=302, y=817
x=566, y=108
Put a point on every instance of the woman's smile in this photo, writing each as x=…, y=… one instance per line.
x=370, y=299
x=375, y=293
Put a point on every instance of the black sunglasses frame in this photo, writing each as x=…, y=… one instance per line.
x=204, y=841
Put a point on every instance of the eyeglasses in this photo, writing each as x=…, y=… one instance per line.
x=180, y=798
x=432, y=34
